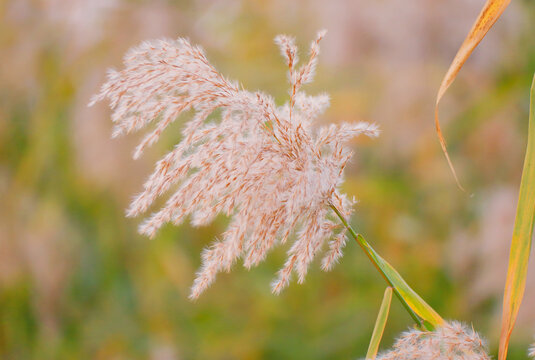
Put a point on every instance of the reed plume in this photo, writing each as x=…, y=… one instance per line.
x=264, y=166
x=452, y=341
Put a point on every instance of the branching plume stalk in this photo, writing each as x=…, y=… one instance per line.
x=266, y=167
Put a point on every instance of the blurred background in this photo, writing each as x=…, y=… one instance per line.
x=78, y=282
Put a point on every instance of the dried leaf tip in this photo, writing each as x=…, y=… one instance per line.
x=265, y=166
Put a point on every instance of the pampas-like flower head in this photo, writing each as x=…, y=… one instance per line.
x=451, y=341
x=264, y=166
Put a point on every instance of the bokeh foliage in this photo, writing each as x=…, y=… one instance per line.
x=76, y=281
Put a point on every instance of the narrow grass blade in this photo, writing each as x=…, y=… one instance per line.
x=522, y=235
x=492, y=10
x=380, y=324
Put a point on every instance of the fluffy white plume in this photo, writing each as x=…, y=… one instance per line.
x=452, y=341
x=264, y=166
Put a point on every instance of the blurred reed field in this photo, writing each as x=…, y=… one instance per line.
x=77, y=281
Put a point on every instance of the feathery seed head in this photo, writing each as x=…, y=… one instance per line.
x=264, y=166
x=452, y=341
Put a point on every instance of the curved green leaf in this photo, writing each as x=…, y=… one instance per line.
x=423, y=314
x=405, y=292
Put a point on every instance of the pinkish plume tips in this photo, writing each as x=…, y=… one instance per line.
x=451, y=341
x=264, y=166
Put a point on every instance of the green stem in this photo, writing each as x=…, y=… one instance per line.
x=370, y=252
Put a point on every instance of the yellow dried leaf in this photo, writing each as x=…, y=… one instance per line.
x=486, y=19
